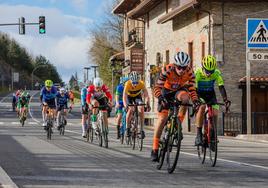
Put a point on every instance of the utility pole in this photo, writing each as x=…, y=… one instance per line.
x=87, y=68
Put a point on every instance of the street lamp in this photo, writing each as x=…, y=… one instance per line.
x=35, y=70
x=95, y=70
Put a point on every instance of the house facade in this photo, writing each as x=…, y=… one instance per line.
x=201, y=27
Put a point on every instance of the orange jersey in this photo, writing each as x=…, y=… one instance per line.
x=170, y=80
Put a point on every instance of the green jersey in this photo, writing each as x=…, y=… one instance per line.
x=206, y=83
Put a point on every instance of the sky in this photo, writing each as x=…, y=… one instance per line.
x=67, y=39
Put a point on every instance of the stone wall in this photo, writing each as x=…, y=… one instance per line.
x=229, y=39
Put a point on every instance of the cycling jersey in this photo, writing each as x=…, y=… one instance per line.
x=170, y=80
x=98, y=95
x=206, y=83
x=119, y=92
x=23, y=102
x=83, y=96
x=62, y=100
x=133, y=91
x=48, y=95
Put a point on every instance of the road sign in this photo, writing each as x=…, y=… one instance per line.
x=257, y=33
x=15, y=77
x=258, y=56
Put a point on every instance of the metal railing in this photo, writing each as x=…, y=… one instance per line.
x=236, y=123
x=135, y=36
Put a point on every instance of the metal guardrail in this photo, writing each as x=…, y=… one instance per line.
x=135, y=36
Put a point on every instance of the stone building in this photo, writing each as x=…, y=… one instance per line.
x=202, y=27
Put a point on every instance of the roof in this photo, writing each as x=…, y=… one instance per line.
x=117, y=57
x=124, y=6
x=178, y=10
x=144, y=7
x=255, y=79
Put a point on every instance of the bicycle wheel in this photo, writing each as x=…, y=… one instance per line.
x=173, y=145
x=213, y=145
x=201, y=151
x=140, y=137
x=49, y=132
x=100, y=132
x=162, y=152
x=105, y=136
x=90, y=134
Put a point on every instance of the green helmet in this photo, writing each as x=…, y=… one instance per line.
x=48, y=83
x=209, y=63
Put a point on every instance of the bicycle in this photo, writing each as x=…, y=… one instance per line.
x=136, y=134
x=170, y=144
x=49, y=121
x=23, y=116
x=123, y=127
x=210, y=138
x=62, y=122
x=90, y=131
x=102, y=130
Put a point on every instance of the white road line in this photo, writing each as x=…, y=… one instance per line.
x=30, y=112
x=15, y=123
x=33, y=123
x=5, y=180
x=4, y=98
x=1, y=123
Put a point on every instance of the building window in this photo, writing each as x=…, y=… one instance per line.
x=167, y=2
x=203, y=50
x=167, y=56
x=190, y=52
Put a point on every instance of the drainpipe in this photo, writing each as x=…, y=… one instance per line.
x=198, y=8
x=223, y=39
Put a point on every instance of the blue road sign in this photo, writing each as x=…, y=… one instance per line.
x=257, y=33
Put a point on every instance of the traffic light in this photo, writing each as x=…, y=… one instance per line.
x=21, y=25
x=42, y=25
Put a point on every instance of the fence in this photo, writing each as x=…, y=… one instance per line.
x=236, y=123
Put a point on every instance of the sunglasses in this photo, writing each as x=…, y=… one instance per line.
x=208, y=71
x=181, y=68
x=135, y=83
x=48, y=87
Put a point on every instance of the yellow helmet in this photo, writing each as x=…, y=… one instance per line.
x=209, y=63
x=48, y=83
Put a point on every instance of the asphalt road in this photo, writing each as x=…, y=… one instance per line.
x=30, y=160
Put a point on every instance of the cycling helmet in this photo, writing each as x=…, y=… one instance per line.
x=209, y=63
x=48, y=83
x=182, y=59
x=97, y=82
x=125, y=79
x=62, y=90
x=133, y=76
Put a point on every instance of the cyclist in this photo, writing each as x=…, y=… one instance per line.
x=48, y=98
x=133, y=91
x=84, y=108
x=119, y=103
x=14, y=101
x=98, y=95
x=205, y=78
x=176, y=80
x=23, y=101
x=71, y=96
x=62, y=103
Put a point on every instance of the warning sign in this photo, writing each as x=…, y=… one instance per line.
x=257, y=33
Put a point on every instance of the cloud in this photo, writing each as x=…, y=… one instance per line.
x=65, y=43
x=80, y=4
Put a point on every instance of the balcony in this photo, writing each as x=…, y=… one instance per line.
x=135, y=37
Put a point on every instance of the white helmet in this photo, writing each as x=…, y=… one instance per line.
x=62, y=90
x=98, y=82
x=182, y=59
x=133, y=76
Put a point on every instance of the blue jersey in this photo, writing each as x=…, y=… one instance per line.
x=62, y=100
x=119, y=92
x=48, y=95
x=83, y=96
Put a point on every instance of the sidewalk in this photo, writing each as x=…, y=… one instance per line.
x=262, y=138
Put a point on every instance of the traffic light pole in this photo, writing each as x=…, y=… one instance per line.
x=7, y=24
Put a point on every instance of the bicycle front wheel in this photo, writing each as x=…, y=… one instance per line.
x=213, y=145
x=49, y=132
x=105, y=136
x=173, y=147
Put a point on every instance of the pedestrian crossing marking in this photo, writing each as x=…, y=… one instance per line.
x=1, y=123
x=33, y=123
x=260, y=36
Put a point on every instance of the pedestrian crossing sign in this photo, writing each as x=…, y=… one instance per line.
x=257, y=33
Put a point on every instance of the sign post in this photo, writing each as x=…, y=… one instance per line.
x=257, y=39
